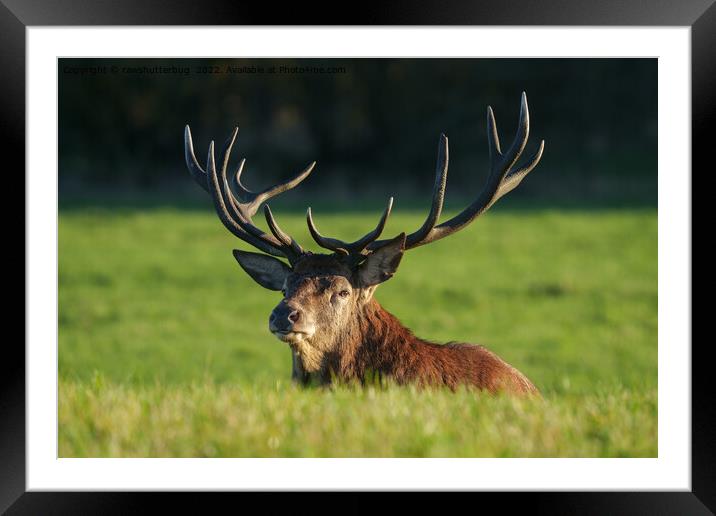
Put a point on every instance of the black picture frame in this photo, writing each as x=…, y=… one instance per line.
x=17, y=15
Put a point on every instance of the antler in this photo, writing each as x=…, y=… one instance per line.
x=502, y=179
x=353, y=248
x=236, y=214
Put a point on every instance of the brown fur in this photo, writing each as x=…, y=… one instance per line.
x=365, y=339
x=384, y=346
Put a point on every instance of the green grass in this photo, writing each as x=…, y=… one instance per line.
x=210, y=420
x=164, y=348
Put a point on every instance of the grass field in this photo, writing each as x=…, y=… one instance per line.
x=164, y=348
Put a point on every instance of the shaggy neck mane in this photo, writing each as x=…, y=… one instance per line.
x=378, y=343
x=383, y=337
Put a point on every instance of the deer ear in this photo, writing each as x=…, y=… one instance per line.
x=267, y=271
x=382, y=264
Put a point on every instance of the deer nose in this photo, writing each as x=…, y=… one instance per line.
x=283, y=318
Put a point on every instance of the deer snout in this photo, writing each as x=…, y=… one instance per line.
x=283, y=318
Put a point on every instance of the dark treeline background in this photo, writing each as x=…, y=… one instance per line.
x=372, y=124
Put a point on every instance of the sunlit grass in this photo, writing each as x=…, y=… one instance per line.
x=209, y=420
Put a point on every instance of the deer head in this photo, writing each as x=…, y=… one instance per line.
x=325, y=295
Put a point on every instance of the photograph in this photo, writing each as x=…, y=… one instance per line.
x=378, y=257
x=439, y=250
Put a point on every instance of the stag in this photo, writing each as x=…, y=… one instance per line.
x=328, y=314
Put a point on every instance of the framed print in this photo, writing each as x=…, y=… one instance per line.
x=154, y=362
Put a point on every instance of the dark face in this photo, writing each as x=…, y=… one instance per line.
x=322, y=296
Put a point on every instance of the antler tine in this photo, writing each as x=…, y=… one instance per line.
x=236, y=184
x=360, y=244
x=515, y=177
x=283, y=237
x=236, y=228
x=436, y=206
x=198, y=173
x=275, y=190
x=239, y=214
x=329, y=243
x=353, y=248
x=253, y=200
x=239, y=209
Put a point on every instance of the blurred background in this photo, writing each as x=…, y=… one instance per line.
x=164, y=348
x=372, y=124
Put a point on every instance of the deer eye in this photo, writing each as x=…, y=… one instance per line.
x=344, y=293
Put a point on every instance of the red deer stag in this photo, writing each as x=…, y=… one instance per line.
x=328, y=316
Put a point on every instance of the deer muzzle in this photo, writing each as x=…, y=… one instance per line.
x=288, y=322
